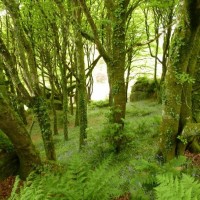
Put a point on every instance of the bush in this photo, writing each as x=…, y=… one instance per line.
x=144, y=88
x=99, y=104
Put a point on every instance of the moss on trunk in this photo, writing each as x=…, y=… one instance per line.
x=178, y=85
x=41, y=111
x=14, y=128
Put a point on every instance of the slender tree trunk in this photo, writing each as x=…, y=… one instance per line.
x=118, y=63
x=82, y=91
x=115, y=60
x=128, y=69
x=65, y=102
x=166, y=44
x=41, y=111
x=28, y=58
x=71, y=95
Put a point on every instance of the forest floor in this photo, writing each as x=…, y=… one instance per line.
x=142, y=127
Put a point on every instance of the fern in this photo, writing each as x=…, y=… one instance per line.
x=78, y=182
x=174, y=188
x=33, y=189
x=146, y=173
x=14, y=189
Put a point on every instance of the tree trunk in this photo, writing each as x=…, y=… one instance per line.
x=14, y=128
x=41, y=111
x=178, y=86
x=115, y=59
x=27, y=56
x=82, y=91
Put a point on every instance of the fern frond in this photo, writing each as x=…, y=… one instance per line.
x=175, y=188
x=78, y=182
x=14, y=194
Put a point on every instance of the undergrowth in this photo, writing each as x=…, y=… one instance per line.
x=77, y=182
x=97, y=172
x=184, y=187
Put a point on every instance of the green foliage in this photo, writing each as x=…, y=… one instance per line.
x=79, y=182
x=184, y=78
x=147, y=81
x=99, y=104
x=182, y=139
x=14, y=189
x=174, y=188
x=146, y=173
x=89, y=176
x=143, y=79
x=144, y=88
x=97, y=148
x=162, y=4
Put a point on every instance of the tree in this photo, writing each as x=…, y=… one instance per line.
x=26, y=52
x=177, y=100
x=163, y=14
x=114, y=54
x=13, y=127
x=82, y=92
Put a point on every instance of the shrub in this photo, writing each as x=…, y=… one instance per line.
x=144, y=88
x=100, y=103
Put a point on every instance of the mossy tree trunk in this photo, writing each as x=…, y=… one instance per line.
x=41, y=111
x=114, y=53
x=46, y=61
x=64, y=29
x=196, y=94
x=179, y=79
x=29, y=70
x=82, y=90
x=118, y=61
x=14, y=128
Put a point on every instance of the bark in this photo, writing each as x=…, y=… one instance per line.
x=190, y=138
x=10, y=64
x=27, y=56
x=118, y=62
x=55, y=124
x=196, y=95
x=182, y=63
x=82, y=91
x=40, y=110
x=128, y=70
x=25, y=49
x=9, y=165
x=114, y=57
x=14, y=128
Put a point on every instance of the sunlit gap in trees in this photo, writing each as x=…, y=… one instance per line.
x=140, y=67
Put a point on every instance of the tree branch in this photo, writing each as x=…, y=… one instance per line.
x=93, y=26
x=92, y=66
x=132, y=8
x=148, y=41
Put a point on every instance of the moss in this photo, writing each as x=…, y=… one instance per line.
x=5, y=143
x=144, y=88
